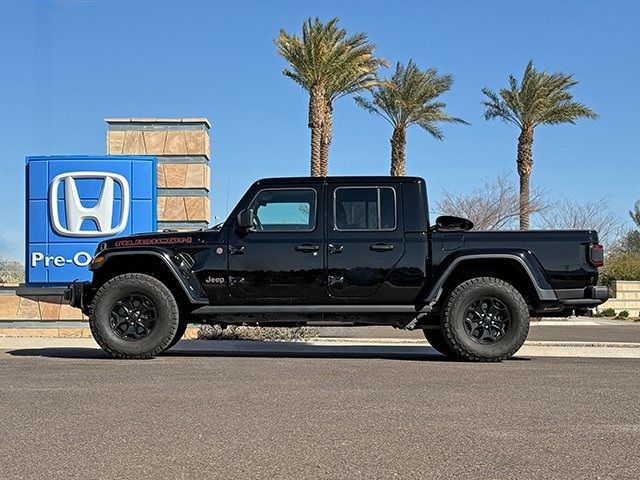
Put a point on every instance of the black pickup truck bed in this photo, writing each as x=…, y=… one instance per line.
x=560, y=261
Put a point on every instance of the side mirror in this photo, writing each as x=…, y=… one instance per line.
x=244, y=220
x=447, y=223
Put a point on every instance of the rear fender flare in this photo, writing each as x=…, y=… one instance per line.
x=526, y=260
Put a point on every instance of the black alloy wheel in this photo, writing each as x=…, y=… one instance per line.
x=133, y=316
x=487, y=320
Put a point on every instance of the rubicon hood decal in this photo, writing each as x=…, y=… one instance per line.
x=141, y=242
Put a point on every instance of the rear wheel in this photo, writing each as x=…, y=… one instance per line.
x=436, y=339
x=485, y=319
x=134, y=316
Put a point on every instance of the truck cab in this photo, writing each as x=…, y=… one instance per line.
x=340, y=250
x=339, y=241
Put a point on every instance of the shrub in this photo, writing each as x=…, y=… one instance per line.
x=623, y=314
x=624, y=266
x=11, y=272
x=234, y=332
x=606, y=312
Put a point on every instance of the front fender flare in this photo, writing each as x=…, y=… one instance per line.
x=185, y=278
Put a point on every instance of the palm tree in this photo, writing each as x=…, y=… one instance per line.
x=329, y=64
x=408, y=98
x=541, y=98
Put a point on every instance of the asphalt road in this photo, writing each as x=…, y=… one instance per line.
x=71, y=413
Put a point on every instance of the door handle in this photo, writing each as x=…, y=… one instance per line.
x=236, y=249
x=333, y=249
x=381, y=247
x=307, y=248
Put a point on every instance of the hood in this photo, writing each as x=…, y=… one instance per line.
x=163, y=239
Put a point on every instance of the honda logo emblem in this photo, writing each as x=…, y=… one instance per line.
x=76, y=213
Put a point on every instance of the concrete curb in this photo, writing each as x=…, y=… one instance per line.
x=19, y=342
x=336, y=347
x=571, y=344
x=532, y=343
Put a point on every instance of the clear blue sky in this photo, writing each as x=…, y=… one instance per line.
x=65, y=65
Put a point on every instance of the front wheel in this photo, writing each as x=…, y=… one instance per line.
x=182, y=328
x=485, y=319
x=134, y=316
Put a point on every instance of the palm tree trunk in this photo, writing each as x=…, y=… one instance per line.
x=398, y=141
x=327, y=136
x=525, y=165
x=316, y=110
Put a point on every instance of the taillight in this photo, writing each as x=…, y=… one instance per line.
x=596, y=255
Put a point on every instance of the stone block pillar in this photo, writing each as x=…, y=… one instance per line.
x=182, y=146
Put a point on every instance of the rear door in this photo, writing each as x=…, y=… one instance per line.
x=364, y=238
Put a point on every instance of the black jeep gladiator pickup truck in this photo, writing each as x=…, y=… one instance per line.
x=339, y=250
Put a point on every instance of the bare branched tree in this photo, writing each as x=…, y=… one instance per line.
x=494, y=205
x=635, y=214
x=568, y=214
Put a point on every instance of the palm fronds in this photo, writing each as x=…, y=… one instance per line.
x=409, y=96
x=541, y=98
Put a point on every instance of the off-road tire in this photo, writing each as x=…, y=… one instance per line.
x=436, y=339
x=182, y=327
x=160, y=336
x=453, y=327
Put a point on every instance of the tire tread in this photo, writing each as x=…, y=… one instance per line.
x=461, y=351
x=150, y=282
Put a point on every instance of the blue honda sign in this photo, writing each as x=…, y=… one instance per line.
x=75, y=202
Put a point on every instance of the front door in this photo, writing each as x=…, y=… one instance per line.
x=364, y=240
x=282, y=257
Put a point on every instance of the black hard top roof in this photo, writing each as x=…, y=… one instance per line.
x=333, y=180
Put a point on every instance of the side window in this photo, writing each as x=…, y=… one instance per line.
x=364, y=208
x=280, y=210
